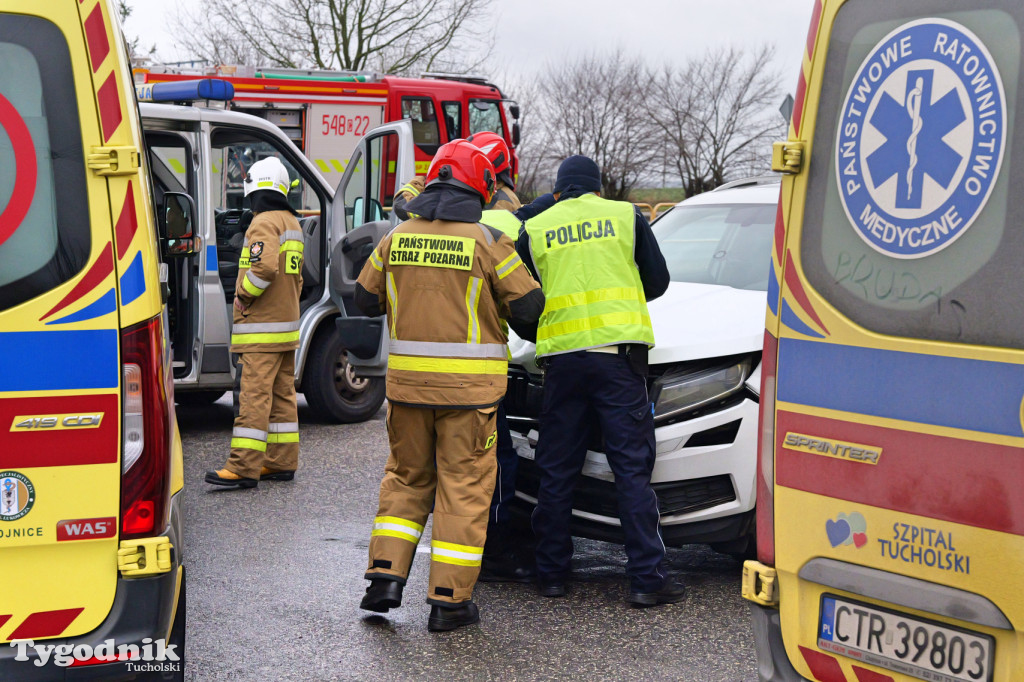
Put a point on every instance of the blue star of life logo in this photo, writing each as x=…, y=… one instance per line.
x=921, y=137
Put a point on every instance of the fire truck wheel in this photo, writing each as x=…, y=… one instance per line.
x=333, y=391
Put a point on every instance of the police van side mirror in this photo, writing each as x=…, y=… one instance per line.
x=177, y=220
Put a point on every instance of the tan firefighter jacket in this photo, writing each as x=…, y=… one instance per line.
x=446, y=285
x=269, y=282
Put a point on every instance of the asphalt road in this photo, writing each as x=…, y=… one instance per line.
x=275, y=579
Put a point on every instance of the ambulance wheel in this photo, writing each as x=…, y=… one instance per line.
x=197, y=398
x=333, y=391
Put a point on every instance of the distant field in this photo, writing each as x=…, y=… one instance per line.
x=657, y=195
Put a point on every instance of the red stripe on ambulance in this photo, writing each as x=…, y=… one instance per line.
x=96, y=34
x=46, y=624
x=949, y=479
x=50, y=447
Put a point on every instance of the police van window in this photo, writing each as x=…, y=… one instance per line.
x=234, y=152
x=485, y=114
x=356, y=189
x=382, y=152
x=170, y=164
x=425, y=133
x=40, y=161
x=453, y=119
x=911, y=227
x=725, y=244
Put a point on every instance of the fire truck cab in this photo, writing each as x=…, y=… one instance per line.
x=327, y=113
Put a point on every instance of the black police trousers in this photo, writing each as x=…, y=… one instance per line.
x=579, y=387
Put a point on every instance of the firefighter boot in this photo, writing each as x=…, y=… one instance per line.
x=382, y=595
x=229, y=479
x=447, y=617
x=267, y=474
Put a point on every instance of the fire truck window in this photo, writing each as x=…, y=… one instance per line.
x=453, y=119
x=485, y=114
x=425, y=133
x=42, y=173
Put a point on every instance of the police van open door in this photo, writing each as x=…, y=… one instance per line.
x=361, y=216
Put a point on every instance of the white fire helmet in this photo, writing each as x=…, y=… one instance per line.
x=268, y=173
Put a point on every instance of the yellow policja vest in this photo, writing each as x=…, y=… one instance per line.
x=506, y=221
x=583, y=251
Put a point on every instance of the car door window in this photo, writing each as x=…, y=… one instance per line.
x=485, y=114
x=453, y=119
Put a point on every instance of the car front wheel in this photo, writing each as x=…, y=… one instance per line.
x=333, y=390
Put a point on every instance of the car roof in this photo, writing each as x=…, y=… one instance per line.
x=757, y=190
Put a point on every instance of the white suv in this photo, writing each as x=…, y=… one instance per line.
x=704, y=378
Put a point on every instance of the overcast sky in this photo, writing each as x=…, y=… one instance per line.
x=534, y=33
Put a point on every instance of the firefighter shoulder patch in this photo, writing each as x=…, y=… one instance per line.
x=255, y=251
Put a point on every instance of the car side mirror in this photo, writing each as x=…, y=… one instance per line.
x=515, y=134
x=514, y=110
x=177, y=220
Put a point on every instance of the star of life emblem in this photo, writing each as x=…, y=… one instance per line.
x=921, y=138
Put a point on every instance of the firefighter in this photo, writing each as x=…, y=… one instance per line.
x=409, y=191
x=493, y=145
x=265, y=334
x=506, y=553
x=444, y=281
x=598, y=264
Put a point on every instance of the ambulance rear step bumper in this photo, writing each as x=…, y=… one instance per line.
x=772, y=662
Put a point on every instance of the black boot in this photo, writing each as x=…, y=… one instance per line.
x=448, y=618
x=670, y=593
x=382, y=595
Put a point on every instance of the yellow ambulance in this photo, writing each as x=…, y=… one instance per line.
x=91, y=573
x=890, y=511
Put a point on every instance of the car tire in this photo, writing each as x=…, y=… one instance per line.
x=332, y=390
x=197, y=398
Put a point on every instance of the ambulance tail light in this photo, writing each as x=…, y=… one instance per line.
x=766, y=454
x=147, y=431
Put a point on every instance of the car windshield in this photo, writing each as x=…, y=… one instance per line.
x=725, y=244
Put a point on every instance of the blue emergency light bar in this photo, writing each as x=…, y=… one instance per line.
x=186, y=91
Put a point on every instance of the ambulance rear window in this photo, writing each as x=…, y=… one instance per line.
x=914, y=220
x=44, y=228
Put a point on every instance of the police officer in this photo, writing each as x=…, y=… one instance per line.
x=444, y=280
x=265, y=334
x=598, y=264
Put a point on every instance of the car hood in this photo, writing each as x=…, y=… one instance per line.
x=691, y=322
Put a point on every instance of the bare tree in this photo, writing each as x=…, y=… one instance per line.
x=391, y=36
x=594, y=106
x=135, y=50
x=718, y=115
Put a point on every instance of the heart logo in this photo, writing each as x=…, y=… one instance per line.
x=860, y=539
x=838, y=531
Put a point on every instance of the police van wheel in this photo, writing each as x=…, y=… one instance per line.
x=332, y=389
x=197, y=398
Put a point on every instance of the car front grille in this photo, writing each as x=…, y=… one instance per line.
x=600, y=497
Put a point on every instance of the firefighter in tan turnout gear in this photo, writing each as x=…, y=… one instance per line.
x=265, y=334
x=445, y=281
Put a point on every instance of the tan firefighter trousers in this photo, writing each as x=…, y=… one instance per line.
x=450, y=453
x=266, y=432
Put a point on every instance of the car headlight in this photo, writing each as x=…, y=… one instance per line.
x=677, y=393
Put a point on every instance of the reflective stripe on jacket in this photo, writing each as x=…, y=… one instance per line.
x=583, y=251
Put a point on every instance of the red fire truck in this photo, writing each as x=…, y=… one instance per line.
x=326, y=113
